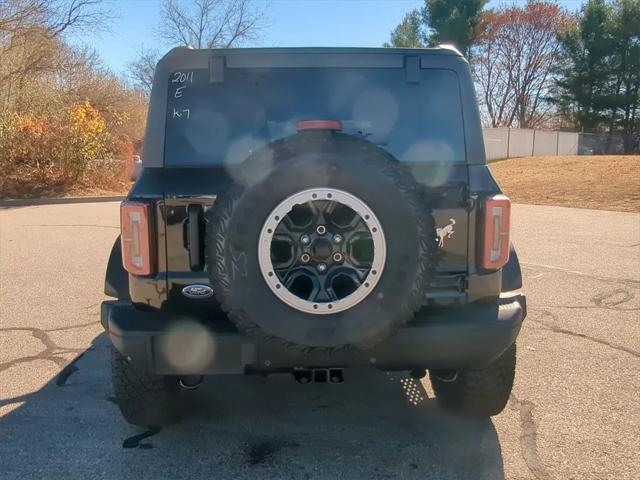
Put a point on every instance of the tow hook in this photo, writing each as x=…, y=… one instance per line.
x=318, y=375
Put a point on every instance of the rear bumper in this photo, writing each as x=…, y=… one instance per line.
x=448, y=338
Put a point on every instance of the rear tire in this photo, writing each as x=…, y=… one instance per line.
x=477, y=393
x=144, y=399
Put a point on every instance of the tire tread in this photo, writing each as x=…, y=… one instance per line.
x=143, y=399
x=219, y=218
x=479, y=393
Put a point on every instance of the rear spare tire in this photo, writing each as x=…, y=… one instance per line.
x=332, y=246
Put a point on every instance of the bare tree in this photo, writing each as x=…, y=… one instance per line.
x=496, y=90
x=200, y=24
x=67, y=15
x=31, y=32
x=515, y=60
x=141, y=70
x=210, y=23
x=54, y=16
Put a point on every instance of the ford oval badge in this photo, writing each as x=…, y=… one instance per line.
x=197, y=291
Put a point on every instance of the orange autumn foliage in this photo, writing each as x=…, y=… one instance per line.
x=70, y=150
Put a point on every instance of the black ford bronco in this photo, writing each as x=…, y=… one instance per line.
x=310, y=210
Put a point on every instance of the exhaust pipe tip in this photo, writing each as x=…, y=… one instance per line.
x=446, y=376
x=191, y=382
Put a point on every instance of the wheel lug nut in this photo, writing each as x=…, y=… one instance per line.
x=305, y=240
x=338, y=257
x=305, y=257
x=322, y=267
x=337, y=238
x=321, y=229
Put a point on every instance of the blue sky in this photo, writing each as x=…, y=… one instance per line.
x=360, y=23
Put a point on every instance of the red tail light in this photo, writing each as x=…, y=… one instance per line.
x=319, y=125
x=135, y=234
x=495, y=240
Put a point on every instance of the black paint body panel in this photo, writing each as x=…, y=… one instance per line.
x=460, y=324
x=466, y=337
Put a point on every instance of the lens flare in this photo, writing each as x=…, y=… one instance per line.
x=187, y=346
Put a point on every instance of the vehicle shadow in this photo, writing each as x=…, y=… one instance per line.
x=375, y=425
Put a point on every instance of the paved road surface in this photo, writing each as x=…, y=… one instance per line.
x=574, y=412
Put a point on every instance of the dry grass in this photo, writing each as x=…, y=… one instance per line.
x=604, y=182
x=101, y=179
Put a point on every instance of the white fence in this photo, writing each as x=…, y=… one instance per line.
x=520, y=142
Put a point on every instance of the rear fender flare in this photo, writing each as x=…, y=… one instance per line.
x=116, y=282
x=511, y=273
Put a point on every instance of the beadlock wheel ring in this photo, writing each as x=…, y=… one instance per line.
x=309, y=196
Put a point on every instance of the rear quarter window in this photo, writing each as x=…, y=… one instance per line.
x=223, y=123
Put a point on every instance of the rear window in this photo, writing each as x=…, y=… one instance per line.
x=223, y=123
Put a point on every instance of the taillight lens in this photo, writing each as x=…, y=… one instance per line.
x=495, y=239
x=136, y=238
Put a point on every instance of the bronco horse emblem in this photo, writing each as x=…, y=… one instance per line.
x=445, y=232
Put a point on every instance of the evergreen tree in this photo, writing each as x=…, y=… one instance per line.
x=446, y=21
x=625, y=98
x=409, y=33
x=599, y=74
x=453, y=21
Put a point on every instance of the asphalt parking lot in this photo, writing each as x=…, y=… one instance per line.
x=573, y=413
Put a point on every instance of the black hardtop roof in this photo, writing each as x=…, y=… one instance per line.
x=187, y=57
x=439, y=50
